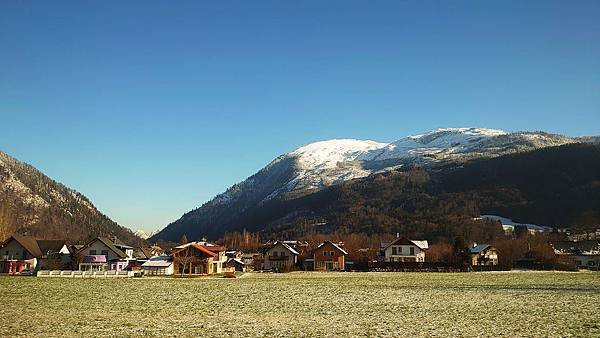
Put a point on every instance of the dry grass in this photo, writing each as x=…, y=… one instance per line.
x=306, y=304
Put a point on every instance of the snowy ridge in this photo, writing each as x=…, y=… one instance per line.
x=144, y=234
x=325, y=163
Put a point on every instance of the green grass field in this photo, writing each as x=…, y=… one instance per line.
x=306, y=304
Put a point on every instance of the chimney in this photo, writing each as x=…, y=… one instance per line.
x=474, y=244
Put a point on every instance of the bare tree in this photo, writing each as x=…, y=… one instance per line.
x=184, y=257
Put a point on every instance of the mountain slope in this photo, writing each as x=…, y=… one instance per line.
x=323, y=164
x=558, y=186
x=32, y=202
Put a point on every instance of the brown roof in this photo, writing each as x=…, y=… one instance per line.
x=198, y=247
x=29, y=243
x=107, y=242
x=48, y=246
x=142, y=252
x=214, y=248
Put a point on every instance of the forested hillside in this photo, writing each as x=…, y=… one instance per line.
x=557, y=186
x=32, y=203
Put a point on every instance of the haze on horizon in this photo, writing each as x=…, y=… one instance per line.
x=152, y=109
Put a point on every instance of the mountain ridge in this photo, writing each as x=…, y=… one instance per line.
x=33, y=203
x=321, y=164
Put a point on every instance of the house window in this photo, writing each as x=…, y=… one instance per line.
x=324, y=253
x=591, y=263
x=394, y=250
x=275, y=253
x=104, y=252
x=7, y=252
x=331, y=253
x=412, y=250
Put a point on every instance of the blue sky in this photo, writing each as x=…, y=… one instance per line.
x=152, y=108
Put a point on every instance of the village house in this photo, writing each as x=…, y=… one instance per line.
x=193, y=259
x=25, y=253
x=236, y=264
x=403, y=249
x=217, y=262
x=158, y=266
x=483, y=254
x=101, y=254
x=280, y=257
x=585, y=254
x=328, y=256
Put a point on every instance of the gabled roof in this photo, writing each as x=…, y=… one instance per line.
x=235, y=260
x=37, y=247
x=214, y=248
x=50, y=246
x=161, y=263
x=142, y=253
x=28, y=243
x=421, y=244
x=478, y=248
x=108, y=243
x=334, y=245
x=286, y=246
x=198, y=247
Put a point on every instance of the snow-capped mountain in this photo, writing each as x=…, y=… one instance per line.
x=145, y=234
x=325, y=163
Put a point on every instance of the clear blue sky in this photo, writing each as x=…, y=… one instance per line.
x=150, y=108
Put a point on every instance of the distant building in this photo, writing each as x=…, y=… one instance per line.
x=20, y=253
x=403, y=249
x=280, y=257
x=586, y=236
x=508, y=225
x=199, y=258
x=217, y=262
x=101, y=254
x=329, y=256
x=483, y=254
x=158, y=266
x=236, y=264
x=586, y=254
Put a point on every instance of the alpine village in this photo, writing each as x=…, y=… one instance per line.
x=429, y=202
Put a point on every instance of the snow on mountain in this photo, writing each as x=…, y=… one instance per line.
x=321, y=164
x=325, y=163
x=446, y=140
x=144, y=234
x=330, y=162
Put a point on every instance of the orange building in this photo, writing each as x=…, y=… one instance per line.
x=329, y=256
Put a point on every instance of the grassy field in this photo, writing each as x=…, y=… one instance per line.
x=306, y=304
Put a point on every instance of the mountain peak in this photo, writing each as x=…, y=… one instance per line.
x=325, y=163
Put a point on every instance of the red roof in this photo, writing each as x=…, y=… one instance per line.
x=214, y=248
x=200, y=248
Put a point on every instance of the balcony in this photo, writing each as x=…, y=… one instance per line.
x=279, y=258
